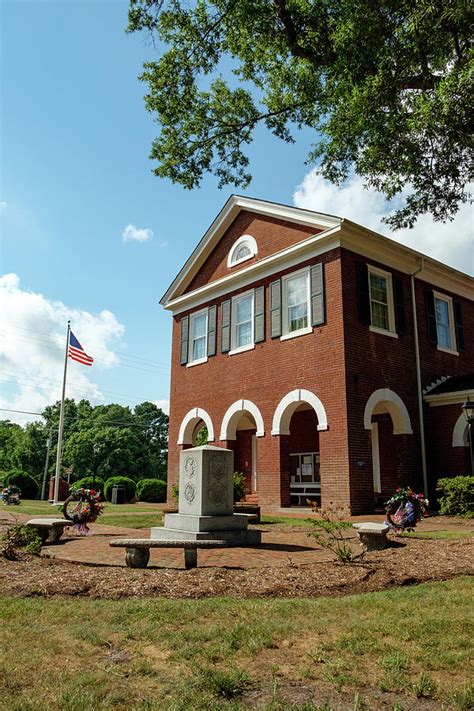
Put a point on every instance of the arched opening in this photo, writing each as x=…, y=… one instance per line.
x=386, y=416
x=192, y=424
x=298, y=420
x=241, y=426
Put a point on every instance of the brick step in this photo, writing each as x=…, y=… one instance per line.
x=251, y=498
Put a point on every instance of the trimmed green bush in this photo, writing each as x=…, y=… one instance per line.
x=151, y=490
x=456, y=495
x=25, y=482
x=129, y=485
x=87, y=482
x=239, y=486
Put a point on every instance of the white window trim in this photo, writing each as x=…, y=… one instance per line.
x=443, y=297
x=286, y=335
x=233, y=321
x=391, y=331
x=250, y=242
x=192, y=318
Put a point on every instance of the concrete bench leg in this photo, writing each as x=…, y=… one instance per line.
x=372, y=542
x=55, y=534
x=190, y=558
x=137, y=557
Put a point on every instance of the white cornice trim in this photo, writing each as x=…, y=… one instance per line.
x=289, y=257
x=453, y=398
x=222, y=222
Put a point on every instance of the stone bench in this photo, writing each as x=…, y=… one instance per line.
x=372, y=536
x=50, y=530
x=137, y=550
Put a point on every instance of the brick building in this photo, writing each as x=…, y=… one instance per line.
x=332, y=360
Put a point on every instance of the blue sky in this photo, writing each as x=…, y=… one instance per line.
x=75, y=172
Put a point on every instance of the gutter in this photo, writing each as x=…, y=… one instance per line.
x=418, y=377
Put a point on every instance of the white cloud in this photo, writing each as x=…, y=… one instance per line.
x=450, y=242
x=32, y=343
x=163, y=405
x=136, y=234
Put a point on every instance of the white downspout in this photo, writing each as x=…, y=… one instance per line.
x=418, y=378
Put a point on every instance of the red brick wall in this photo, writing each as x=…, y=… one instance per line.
x=304, y=432
x=444, y=459
x=265, y=375
x=270, y=234
x=374, y=361
x=436, y=363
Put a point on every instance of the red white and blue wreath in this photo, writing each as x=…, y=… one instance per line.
x=82, y=507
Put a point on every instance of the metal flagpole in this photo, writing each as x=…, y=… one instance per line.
x=45, y=474
x=61, y=422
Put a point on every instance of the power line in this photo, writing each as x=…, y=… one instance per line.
x=144, y=367
x=129, y=356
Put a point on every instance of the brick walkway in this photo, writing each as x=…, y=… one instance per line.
x=277, y=548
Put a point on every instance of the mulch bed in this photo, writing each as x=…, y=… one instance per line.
x=407, y=562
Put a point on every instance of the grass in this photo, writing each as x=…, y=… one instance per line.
x=131, y=520
x=437, y=535
x=44, y=508
x=268, y=520
x=182, y=655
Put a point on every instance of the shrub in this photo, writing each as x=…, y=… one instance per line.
x=87, y=482
x=152, y=490
x=328, y=530
x=239, y=486
x=456, y=495
x=129, y=485
x=25, y=482
x=20, y=536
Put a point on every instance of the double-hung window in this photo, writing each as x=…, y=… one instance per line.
x=296, y=303
x=198, y=337
x=381, y=300
x=242, y=322
x=444, y=322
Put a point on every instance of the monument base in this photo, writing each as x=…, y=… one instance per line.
x=188, y=522
x=233, y=537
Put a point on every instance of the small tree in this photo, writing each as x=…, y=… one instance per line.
x=328, y=531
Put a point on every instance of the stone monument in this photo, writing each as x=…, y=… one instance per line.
x=206, y=501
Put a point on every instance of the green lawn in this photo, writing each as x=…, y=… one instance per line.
x=44, y=508
x=437, y=535
x=183, y=655
x=269, y=520
x=131, y=521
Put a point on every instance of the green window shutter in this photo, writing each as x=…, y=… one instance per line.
x=275, y=308
x=431, y=316
x=458, y=327
x=363, y=296
x=211, y=330
x=183, y=340
x=259, y=314
x=317, y=295
x=225, y=326
x=399, y=304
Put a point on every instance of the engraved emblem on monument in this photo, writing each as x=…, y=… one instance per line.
x=190, y=467
x=218, y=467
x=217, y=495
x=190, y=492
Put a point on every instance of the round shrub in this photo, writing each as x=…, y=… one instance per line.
x=151, y=490
x=25, y=482
x=87, y=482
x=456, y=496
x=129, y=485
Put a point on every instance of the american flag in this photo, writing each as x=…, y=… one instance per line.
x=77, y=352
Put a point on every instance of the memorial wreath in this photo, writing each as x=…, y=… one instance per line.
x=405, y=509
x=82, y=507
